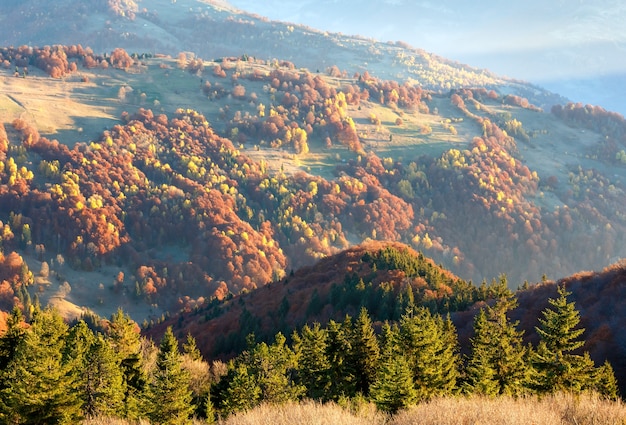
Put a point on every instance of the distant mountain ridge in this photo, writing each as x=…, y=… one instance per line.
x=212, y=29
x=575, y=49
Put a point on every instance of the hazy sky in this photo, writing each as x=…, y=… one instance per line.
x=574, y=47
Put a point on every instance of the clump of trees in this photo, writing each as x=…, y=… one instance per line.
x=59, y=61
x=113, y=372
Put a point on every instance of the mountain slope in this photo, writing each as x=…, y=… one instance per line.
x=285, y=166
x=341, y=284
x=213, y=29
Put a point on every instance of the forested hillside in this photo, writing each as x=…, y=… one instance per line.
x=413, y=356
x=287, y=167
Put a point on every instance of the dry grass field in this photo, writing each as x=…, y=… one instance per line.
x=560, y=409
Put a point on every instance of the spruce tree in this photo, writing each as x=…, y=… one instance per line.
x=41, y=387
x=366, y=352
x=606, y=384
x=498, y=361
x=342, y=365
x=557, y=366
x=393, y=389
x=103, y=381
x=480, y=372
x=11, y=338
x=430, y=346
x=273, y=367
x=243, y=392
x=190, y=348
x=123, y=334
x=313, y=364
x=169, y=394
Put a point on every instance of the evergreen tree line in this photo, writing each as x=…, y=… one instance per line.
x=415, y=359
x=51, y=373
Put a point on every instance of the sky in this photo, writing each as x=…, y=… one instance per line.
x=576, y=48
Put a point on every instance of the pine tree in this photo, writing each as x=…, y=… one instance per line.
x=481, y=374
x=169, y=393
x=103, y=381
x=430, y=346
x=365, y=352
x=41, y=388
x=272, y=367
x=393, y=388
x=339, y=351
x=243, y=392
x=123, y=334
x=557, y=367
x=498, y=362
x=606, y=384
x=11, y=338
x=313, y=363
x=191, y=349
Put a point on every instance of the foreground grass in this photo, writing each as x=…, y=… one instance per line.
x=560, y=409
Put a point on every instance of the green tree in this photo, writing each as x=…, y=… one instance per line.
x=481, y=373
x=498, y=361
x=273, y=367
x=123, y=334
x=41, y=387
x=169, y=394
x=190, y=348
x=243, y=392
x=606, y=384
x=365, y=352
x=11, y=338
x=430, y=346
x=557, y=366
x=102, y=381
x=342, y=368
x=313, y=364
x=393, y=388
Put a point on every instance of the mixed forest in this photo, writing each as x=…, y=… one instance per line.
x=307, y=234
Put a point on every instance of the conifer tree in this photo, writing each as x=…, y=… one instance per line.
x=243, y=392
x=273, y=367
x=191, y=349
x=169, y=393
x=481, y=374
x=430, y=346
x=498, y=361
x=557, y=367
x=365, y=351
x=313, y=364
x=41, y=388
x=606, y=384
x=393, y=388
x=11, y=338
x=342, y=365
x=103, y=381
x=123, y=334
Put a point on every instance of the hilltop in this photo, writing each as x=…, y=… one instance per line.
x=388, y=279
